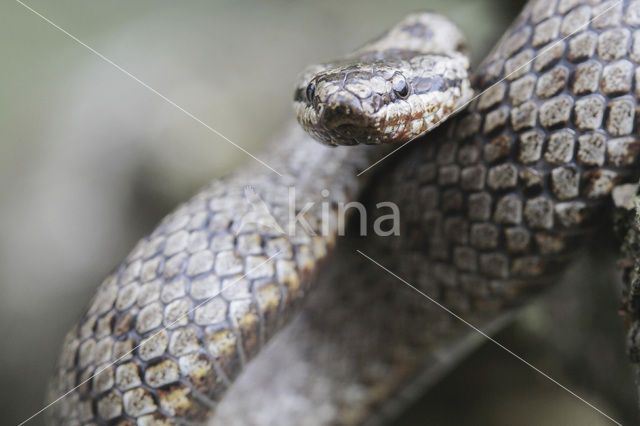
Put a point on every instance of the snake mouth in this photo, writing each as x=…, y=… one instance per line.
x=353, y=134
x=336, y=115
x=345, y=124
x=358, y=133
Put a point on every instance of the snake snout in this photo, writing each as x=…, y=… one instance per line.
x=342, y=111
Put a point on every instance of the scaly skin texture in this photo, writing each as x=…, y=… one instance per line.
x=391, y=90
x=490, y=208
x=174, y=325
x=501, y=198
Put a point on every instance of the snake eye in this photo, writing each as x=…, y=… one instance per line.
x=311, y=91
x=400, y=86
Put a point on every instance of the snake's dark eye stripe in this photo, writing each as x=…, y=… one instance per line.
x=311, y=91
x=400, y=86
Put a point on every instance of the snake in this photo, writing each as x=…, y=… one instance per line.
x=240, y=309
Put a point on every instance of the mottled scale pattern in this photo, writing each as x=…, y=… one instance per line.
x=361, y=349
x=491, y=205
x=501, y=197
x=171, y=328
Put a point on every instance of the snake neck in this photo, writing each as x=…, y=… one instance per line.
x=504, y=197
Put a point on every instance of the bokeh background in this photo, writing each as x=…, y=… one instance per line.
x=90, y=160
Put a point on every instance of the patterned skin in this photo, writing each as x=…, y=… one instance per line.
x=391, y=90
x=491, y=206
x=502, y=197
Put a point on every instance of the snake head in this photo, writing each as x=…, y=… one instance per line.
x=378, y=100
x=391, y=90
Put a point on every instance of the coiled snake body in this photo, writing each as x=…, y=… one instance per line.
x=491, y=205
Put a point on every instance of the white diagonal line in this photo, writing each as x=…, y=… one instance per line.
x=142, y=83
x=148, y=339
x=464, y=105
x=491, y=339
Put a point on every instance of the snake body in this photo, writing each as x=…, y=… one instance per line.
x=492, y=205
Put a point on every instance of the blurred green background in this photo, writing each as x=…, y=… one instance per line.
x=90, y=160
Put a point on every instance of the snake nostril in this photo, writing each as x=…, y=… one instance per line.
x=341, y=114
x=342, y=110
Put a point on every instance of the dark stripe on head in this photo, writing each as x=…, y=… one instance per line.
x=432, y=84
x=387, y=54
x=419, y=30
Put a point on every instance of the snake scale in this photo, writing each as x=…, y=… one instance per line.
x=493, y=204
